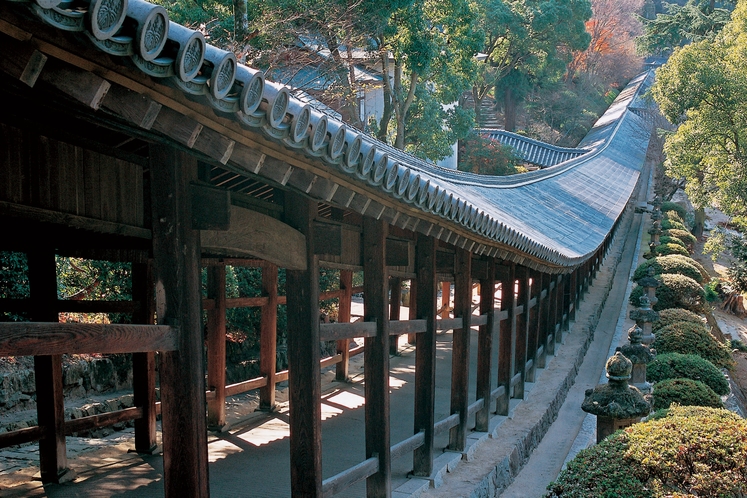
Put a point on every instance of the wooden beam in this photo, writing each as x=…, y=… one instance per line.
x=176, y=253
x=254, y=234
x=328, y=238
x=83, y=86
x=216, y=348
x=177, y=127
x=460, y=348
x=397, y=252
x=133, y=107
x=268, y=337
x=376, y=358
x=21, y=60
x=425, y=304
x=304, y=356
x=214, y=145
x=485, y=350
x=339, y=331
x=92, y=422
x=211, y=208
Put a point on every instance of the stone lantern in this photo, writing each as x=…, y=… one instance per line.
x=640, y=355
x=616, y=404
x=655, y=232
x=644, y=318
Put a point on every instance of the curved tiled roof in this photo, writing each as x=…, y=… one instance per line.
x=554, y=218
x=530, y=150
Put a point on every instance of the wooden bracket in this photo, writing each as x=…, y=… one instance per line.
x=21, y=61
x=83, y=86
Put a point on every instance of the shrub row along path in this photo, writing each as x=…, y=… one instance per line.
x=256, y=445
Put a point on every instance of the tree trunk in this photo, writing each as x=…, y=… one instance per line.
x=478, y=106
x=509, y=110
x=699, y=222
x=386, y=115
x=240, y=22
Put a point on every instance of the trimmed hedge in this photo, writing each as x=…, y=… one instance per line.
x=668, y=264
x=687, y=366
x=675, y=291
x=673, y=206
x=689, y=338
x=686, y=392
x=670, y=224
x=667, y=249
x=674, y=315
x=665, y=239
x=685, y=236
x=685, y=450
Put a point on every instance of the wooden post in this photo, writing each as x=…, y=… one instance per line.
x=425, y=307
x=485, y=348
x=552, y=312
x=573, y=295
x=413, y=311
x=144, y=364
x=376, y=357
x=560, y=296
x=176, y=254
x=395, y=300
x=268, y=337
x=50, y=402
x=343, y=345
x=460, y=348
x=303, y=356
x=445, y=299
x=216, y=347
x=532, y=324
x=507, y=334
x=542, y=315
x=522, y=329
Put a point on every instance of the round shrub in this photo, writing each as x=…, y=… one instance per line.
x=675, y=291
x=682, y=451
x=670, y=224
x=665, y=239
x=670, y=248
x=668, y=264
x=686, y=392
x=674, y=315
x=685, y=236
x=689, y=338
x=673, y=216
x=666, y=207
x=687, y=259
x=687, y=366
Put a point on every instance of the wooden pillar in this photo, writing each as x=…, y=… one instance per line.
x=395, y=300
x=216, y=347
x=50, y=402
x=303, y=356
x=552, y=313
x=507, y=277
x=485, y=339
x=425, y=308
x=376, y=358
x=560, y=296
x=532, y=324
x=573, y=294
x=144, y=364
x=268, y=336
x=445, y=299
x=460, y=348
x=343, y=346
x=413, y=312
x=541, y=281
x=522, y=329
x=176, y=253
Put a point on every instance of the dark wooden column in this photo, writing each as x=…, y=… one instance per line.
x=413, y=311
x=552, y=312
x=395, y=300
x=485, y=339
x=144, y=364
x=50, y=402
x=216, y=347
x=376, y=358
x=176, y=254
x=532, y=324
x=573, y=294
x=522, y=330
x=542, y=281
x=303, y=356
x=425, y=306
x=445, y=299
x=507, y=277
x=268, y=336
x=560, y=282
x=460, y=348
x=343, y=346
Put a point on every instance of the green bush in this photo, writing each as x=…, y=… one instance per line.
x=687, y=366
x=665, y=239
x=685, y=236
x=668, y=264
x=670, y=248
x=674, y=315
x=682, y=451
x=689, y=338
x=686, y=392
x=670, y=224
x=674, y=216
x=666, y=207
x=675, y=291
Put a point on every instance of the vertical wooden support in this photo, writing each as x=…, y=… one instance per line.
x=560, y=296
x=343, y=346
x=395, y=301
x=533, y=332
x=50, y=403
x=445, y=299
x=485, y=339
x=144, y=364
x=425, y=308
x=303, y=356
x=413, y=310
x=268, y=336
x=376, y=358
x=573, y=294
x=522, y=329
x=176, y=254
x=552, y=313
x=507, y=277
x=460, y=348
x=542, y=281
x=216, y=347
x=567, y=300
